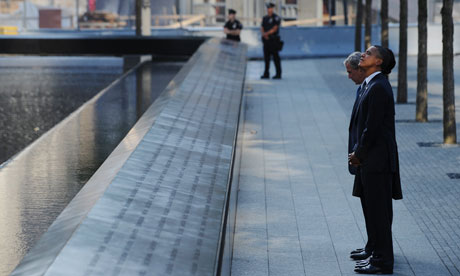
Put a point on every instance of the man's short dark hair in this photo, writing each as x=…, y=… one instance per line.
x=388, y=59
x=231, y=11
x=270, y=5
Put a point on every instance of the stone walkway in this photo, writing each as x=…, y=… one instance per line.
x=296, y=215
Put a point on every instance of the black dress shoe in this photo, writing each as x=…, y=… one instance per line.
x=265, y=76
x=361, y=264
x=370, y=269
x=359, y=250
x=277, y=77
x=361, y=256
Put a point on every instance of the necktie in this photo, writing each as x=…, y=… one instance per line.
x=358, y=92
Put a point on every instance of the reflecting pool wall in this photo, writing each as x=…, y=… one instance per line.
x=37, y=184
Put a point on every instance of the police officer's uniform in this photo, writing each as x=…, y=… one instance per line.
x=271, y=46
x=233, y=25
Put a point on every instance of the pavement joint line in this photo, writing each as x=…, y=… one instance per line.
x=265, y=189
x=292, y=196
x=316, y=186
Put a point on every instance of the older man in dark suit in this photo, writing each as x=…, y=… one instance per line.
x=357, y=75
x=375, y=156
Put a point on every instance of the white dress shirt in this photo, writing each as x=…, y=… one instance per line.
x=369, y=78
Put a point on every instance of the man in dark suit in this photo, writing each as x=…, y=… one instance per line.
x=357, y=75
x=375, y=156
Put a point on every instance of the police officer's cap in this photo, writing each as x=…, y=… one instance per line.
x=270, y=5
x=231, y=11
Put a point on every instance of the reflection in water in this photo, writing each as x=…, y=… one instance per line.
x=39, y=182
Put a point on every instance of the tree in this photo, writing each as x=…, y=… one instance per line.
x=332, y=12
x=345, y=11
x=402, y=61
x=358, y=25
x=384, y=19
x=448, y=89
x=368, y=24
x=421, y=114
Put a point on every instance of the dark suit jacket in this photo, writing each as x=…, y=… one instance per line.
x=373, y=123
x=352, y=133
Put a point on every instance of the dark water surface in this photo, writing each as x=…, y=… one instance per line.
x=39, y=182
x=38, y=92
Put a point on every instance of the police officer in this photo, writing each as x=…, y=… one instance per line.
x=233, y=27
x=271, y=40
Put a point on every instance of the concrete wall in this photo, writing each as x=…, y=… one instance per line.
x=328, y=41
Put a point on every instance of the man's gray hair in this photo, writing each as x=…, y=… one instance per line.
x=353, y=60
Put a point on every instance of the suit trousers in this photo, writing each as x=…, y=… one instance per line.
x=268, y=52
x=379, y=215
x=370, y=235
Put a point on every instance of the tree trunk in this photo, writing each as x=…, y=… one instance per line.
x=402, y=61
x=333, y=11
x=358, y=25
x=345, y=11
x=421, y=114
x=368, y=24
x=384, y=18
x=448, y=90
x=329, y=11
